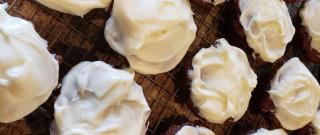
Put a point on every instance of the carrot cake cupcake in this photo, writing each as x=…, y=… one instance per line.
x=154, y=35
x=98, y=99
x=28, y=72
x=221, y=82
x=267, y=26
x=296, y=94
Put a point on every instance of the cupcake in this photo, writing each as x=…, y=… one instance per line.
x=28, y=72
x=75, y=7
x=263, y=131
x=154, y=35
x=188, y=129
x=296, y=94
x=311, y=32
x=221, y=82
x=267, y=26
x=97, y=99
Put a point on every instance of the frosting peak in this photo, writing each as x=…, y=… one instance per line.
x=268, y=27
x=296, y=95
x=98, y=99
x=221, y=77
x=28, y=72
x=154, y=35
x=263, y=131
x=197, y=130
x=75, y=7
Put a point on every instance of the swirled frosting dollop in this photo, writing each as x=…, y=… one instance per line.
x=268, y=27
x=222, y=82
x=75, y=7
x=310, y=15
x=263, y=131
x=97, y=99
x=28, y=72
x=295, y=94
x=196, y=130
x=154, y=35
x=316, y=123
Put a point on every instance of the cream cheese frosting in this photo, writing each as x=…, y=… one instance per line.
x=197, y=130
x=28, y=72
x=316, y=123
x=310, y=15
x=75, y=7
x=263, y=131
x=215, y=2
x=295, y=94
x=97, y=99
x=268, y=27
x=154, y=35
x=222, y=82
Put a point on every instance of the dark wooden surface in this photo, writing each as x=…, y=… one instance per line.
x=75, y=39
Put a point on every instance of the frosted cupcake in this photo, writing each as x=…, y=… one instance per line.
x=97, y=99
x=221, y=82
x=267, y=26
x=296, y=95
x=28, y=72
x=154, y=35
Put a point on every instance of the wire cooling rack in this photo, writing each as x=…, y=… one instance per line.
x=76, y=39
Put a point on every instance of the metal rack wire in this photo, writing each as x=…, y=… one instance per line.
x=75, y=39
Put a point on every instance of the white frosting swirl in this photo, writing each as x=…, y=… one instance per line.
x=197, y=130
x=97, y=99
x=28, y=72
x=154, y=35
x=310, y=15
x=222, y=82
x=316, y=123
x=75, y=7
x=263, y=131
x=296, y=95
x=268, y=27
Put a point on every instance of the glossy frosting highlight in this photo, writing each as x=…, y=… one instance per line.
x=268, y=27
x=28, y=72
x=197, y=130
x=154, y=35
x=222, y=82
x=310, y=15
x=75, y=7
x=97, y=99
x=263, y=131
x=296, y=95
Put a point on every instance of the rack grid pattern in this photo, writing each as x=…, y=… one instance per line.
x=74, y=39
